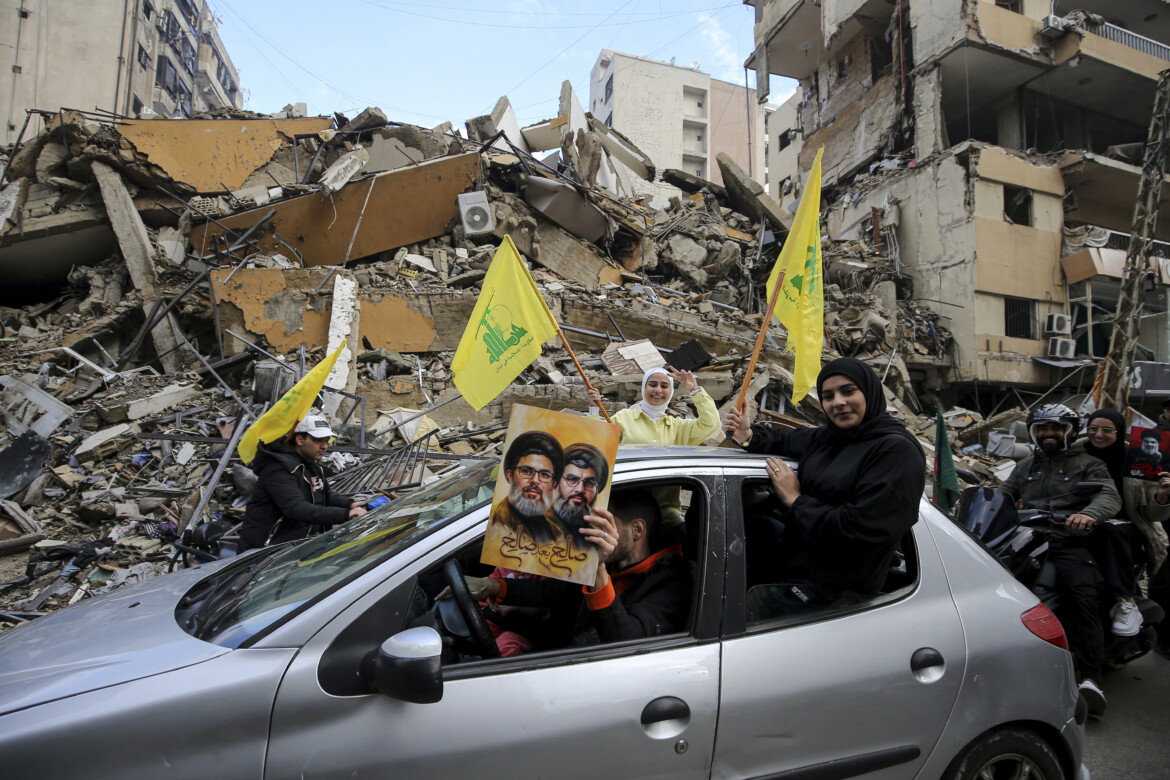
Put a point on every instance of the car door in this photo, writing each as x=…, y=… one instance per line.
x=646, y=708
x=860, y=692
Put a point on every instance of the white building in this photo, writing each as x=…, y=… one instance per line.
x=679, y=116
x=160, y=56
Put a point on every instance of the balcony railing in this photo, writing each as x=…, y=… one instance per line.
x=1121, y=241
x=1134, y=41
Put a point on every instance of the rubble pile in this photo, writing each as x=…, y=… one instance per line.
x=186, y=273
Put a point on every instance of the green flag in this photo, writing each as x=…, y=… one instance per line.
x=946, y=482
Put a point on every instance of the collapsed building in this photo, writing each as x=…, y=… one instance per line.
x=169, y=279
x=994, y=151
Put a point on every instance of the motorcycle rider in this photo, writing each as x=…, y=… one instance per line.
x=1046, y=480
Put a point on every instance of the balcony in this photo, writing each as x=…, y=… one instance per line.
x=1112, y=32
x=692, y=150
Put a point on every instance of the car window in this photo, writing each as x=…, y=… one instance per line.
x=775, y=584
x=564, y=622
x=240, y=603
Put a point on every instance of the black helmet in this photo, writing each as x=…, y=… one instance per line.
x=1054, y=413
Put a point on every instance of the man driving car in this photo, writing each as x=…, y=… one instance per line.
x=642, y=587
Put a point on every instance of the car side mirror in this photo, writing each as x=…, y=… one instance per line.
x=1087, y=488
x=407, y=666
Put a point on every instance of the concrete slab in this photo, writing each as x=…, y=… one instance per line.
x=412, y=204
x=209, y=154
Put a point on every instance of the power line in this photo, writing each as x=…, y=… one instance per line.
x=449, y=20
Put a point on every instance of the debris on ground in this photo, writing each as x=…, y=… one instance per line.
x=167, y=281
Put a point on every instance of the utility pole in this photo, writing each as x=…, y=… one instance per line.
x=1119, y=362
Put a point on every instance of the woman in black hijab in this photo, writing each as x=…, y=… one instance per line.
x=861, y=477
x=1118, y=545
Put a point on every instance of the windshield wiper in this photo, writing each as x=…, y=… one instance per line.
x=224, y=598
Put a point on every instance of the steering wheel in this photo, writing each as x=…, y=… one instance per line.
x=481, y=635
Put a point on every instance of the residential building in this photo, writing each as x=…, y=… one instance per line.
x=1000, y=142
x=783, y=143
x=121, y=57
x=679, y=116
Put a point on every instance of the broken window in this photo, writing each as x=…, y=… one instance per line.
x=1019, y=318
x=187, y=9
x=137, y=106
x=166, y=76
x=169, y=26
x=143, y=58
x=1017, y=205
x=183, y=99
x=187, y=55
x=147, y=9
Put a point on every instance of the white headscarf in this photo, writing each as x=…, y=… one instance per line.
x=649, y=409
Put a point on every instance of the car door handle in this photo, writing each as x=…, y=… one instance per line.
x=665, y=708
x=927, y=664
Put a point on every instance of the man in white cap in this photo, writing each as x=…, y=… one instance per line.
x=292, y=496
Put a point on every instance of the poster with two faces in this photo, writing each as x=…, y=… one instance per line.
x=556, y=469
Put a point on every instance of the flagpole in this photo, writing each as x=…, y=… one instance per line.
x=580, y=370
x=560, y=332
x=747, y=380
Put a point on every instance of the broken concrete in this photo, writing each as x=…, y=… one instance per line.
x=747, y=195
x=138, y=253
x=412, y=204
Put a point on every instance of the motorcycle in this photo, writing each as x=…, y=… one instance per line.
x=1021, y=539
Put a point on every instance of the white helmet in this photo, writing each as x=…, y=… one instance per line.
x=1054, y=413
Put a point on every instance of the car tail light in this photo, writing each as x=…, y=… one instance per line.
x=1041, y=622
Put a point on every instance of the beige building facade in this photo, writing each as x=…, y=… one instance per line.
x=1000, y=142
x=128, y=58
x=679, y=116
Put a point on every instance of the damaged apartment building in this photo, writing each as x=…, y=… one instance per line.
x=994, y=149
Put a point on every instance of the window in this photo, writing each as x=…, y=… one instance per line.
x=699, y=172
x=1017, y=205
x=188, y=10
x=609, y=89
x=698, y=136
x=1019, y=315
x=147, y=9
x=143, y=58
x=699, y=104
x=187, y=55
x=136, y=107
x=1010, y=5
x=184, y=99
x=561, y=633
x=166, y=76
x=775, y=567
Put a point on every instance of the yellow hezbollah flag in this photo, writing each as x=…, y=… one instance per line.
x=289, y=410
x=801, y=306
x=509, y=323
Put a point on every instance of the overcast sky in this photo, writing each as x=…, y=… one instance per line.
x=427, y=62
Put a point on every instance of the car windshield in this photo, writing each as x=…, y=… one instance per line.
x=250, y=600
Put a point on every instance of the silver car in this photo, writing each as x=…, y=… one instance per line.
x=329, y=659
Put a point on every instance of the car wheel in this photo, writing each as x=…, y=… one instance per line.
x=1011, y=753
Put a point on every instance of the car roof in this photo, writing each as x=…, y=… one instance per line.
x=724, y=456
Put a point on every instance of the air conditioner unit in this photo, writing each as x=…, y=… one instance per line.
x=1052, y=27
x=1061, y=348
x=1057, y=325
x=476, y=213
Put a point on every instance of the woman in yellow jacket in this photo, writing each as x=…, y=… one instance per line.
x=647, y=422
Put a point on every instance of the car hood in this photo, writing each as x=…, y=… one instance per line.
x=112, y=639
